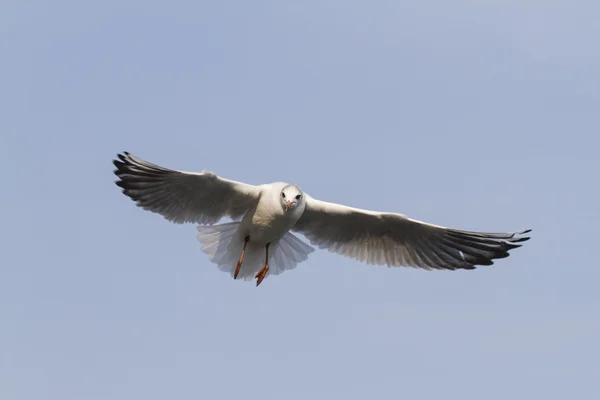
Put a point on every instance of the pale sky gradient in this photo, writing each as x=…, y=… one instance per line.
x=480, y=115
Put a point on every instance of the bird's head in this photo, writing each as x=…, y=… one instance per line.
x=291, y=197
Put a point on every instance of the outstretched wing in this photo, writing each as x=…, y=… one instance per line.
x=180, y=196
x=393, y=239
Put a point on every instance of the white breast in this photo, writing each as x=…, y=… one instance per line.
x=269, y=221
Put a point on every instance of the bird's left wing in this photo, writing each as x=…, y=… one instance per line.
x=393, y=239
x=180, y=196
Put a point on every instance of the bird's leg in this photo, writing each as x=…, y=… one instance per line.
x=241, y=260
x=263, y=272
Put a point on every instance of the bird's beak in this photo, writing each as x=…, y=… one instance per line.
x=288, y=204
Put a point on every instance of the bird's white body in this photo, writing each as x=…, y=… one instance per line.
x=266, y=223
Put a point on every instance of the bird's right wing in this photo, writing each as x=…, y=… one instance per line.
x=180, y=196
x=393, y=239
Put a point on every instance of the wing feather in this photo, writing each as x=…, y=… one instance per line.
x=395, y=240
x=180, y=196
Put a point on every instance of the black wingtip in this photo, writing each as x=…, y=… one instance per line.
x=120, y=163
x=123, y=156
x=523, y=232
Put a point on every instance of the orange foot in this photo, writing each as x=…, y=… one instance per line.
x=262, y=274
x=237, y=270
x=241, y=260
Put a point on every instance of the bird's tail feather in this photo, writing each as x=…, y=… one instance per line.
x=215, y=239
x=289, y=252
x=223, y=247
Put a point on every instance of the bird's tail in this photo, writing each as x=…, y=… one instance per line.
x=289, y=252
x=223, y=247
x=218, y=242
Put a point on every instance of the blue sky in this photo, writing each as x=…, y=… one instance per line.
x=480, y=115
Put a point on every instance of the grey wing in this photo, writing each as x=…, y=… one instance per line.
x=395, y=240
x=180, y=196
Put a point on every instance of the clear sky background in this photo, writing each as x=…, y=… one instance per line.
x=480, y=115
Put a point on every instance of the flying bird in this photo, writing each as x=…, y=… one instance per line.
x=259, y=240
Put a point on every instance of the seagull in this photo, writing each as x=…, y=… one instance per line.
x=259, y=240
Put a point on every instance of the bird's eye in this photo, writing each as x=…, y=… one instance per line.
x=298, y=197
x=283, y=195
